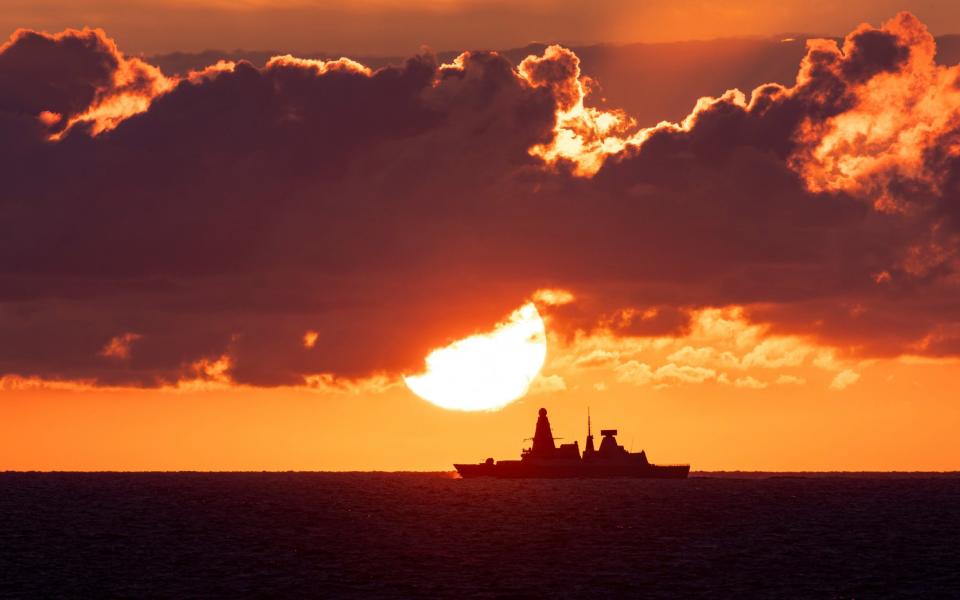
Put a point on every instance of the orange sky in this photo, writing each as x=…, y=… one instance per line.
x=898, y=415
x=829, y=383
x=400, y=28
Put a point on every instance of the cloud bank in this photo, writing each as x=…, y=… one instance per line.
x=157, y=225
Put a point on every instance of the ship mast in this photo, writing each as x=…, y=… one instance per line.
x=589, y=446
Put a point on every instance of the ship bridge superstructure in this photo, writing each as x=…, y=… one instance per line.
x=547, y=459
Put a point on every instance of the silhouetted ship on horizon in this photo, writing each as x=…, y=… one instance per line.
x=546, y=460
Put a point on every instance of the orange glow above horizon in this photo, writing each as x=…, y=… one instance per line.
x=900, y=416
x=727, y=395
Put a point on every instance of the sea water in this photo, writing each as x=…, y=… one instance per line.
x=353, y=535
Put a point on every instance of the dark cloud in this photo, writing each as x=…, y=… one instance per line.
x=391, y=211
x=622, y=74
x=61, y=73
x=868, y=52
x=58, y=78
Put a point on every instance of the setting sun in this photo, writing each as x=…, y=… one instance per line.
x=485, y=371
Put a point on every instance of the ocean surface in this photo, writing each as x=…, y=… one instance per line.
x=363, y=535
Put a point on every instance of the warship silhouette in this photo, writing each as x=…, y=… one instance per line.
x=547, y=460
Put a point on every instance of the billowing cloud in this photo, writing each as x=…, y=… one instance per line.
x=844, y=379
x=721, y=347
x=223, y=213
x=310, y=339
x=899, y=120
x=789, y=380
x=119, y=346
x=750, y=382
x=74, y=77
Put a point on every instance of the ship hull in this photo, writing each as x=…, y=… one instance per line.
x=521, y=470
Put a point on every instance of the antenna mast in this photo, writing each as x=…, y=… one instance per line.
x=589, y=448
